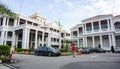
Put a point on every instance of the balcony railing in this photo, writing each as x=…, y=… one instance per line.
x=104, y=29
x=117, y=29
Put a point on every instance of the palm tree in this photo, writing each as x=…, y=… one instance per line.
x=6, y=11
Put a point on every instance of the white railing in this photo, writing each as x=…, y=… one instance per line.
x=105, y=29
x=117, y=29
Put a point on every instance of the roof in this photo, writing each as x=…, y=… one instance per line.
x=97, y=16
x=74, y=27
x=117, y=16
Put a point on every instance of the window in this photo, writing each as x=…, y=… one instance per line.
x=62, y=34
x=0, y=33
x=104, y=24
x=35, y=24
x=1, y=21
x=22, y=21
x=117, y=25
x=11, y=22
x=9, y=34
x=75, y=33
x=96, y=25
x=80, y=30
x=88, y=26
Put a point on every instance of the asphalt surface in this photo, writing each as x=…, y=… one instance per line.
x=92, y=61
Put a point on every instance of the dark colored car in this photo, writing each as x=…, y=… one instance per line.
x=86, y=50
x=47, y=51
x=98, y=50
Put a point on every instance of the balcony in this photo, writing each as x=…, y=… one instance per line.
x=74, y=36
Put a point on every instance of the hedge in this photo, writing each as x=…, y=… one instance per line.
x=66, y=53
x=20, y=49
x=4, y=50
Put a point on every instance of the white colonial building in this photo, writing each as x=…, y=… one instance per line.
x=24, y=32
x=100, y=30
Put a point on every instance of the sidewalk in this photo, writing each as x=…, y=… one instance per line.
x=4, y=67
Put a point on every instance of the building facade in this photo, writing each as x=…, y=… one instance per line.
x=25, y=32
x=98, y=31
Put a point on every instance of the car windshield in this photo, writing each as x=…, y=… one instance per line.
x=51, y=48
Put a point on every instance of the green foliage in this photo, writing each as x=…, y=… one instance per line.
x=66, y=48
x=5, y=10
x=20, y=49
x=54, y=46
x=66, y=53
x=31, y=49
x=4, y=49
x=62, y=50
x=4, y=58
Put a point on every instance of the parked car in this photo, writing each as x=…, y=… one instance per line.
x=86, y=50
x=117, y=50
x=98, y=50
x=47, y=51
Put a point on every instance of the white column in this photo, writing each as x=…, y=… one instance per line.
x=6, y=32
x=15, y=22
x=43, y=38
x=112, y=24
x=49, y=39
x=13, y=40
x=2, y=36
x=86, y=45
x=85, y=29
x=114, y=40
x=77, y=31
x=18, y=21
x=93, y=39
x=110, y=42
x=7, y=21
x=83, y=41
x=60, y=40
x=108, y=24
x=78, y=44
x=28, y=37
x=16, y=40
x=24, y=38
x=36, y=33
x=101, y=42
x=92, y=27
x=4, y=21
x=100, y=26
x=26, y=22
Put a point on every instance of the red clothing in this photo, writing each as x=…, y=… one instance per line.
x=73, y=48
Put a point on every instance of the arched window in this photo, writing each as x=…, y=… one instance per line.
x=117, y=25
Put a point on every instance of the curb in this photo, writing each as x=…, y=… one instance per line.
x=10, y=66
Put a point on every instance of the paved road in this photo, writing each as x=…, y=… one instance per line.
x=92, y=61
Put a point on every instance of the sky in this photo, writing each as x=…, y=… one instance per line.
x=68, y=12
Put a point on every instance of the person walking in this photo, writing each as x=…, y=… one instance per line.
x=112, y=49
x=73, y=50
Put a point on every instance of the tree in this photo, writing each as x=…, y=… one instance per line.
x=6, y=11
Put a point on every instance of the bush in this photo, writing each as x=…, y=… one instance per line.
x=4, y=49
x=20, y=49
x=66, y=53
x=62, y=50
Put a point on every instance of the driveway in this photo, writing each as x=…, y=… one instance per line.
x=92, y=61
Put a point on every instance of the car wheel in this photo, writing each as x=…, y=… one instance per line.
x=49, y=54
x=37, y=54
